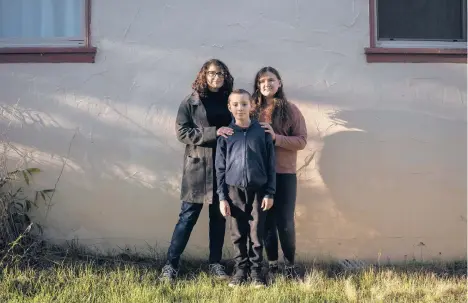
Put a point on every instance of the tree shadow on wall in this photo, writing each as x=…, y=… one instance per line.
x=404, y=178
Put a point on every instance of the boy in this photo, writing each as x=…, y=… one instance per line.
x=245, y=170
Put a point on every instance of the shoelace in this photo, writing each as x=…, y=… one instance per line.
x=217, y=268
x=169, y=270
x=291, y=271
x=274, y=266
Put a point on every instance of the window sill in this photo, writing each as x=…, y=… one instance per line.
x=47, y=54
x=415, y=55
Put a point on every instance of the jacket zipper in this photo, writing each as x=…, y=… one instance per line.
x=245, y=158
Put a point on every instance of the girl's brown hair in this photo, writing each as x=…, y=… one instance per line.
x=281, y=116
x=201, y=86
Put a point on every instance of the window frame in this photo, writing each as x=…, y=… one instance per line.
x=54, y=54
x=410, y=51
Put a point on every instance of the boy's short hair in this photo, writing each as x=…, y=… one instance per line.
x=240, y=91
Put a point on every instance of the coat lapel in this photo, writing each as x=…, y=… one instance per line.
x=199, y=111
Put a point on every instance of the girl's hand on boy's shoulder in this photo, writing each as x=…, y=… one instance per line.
x=224, y=131
x=268, y=129
x=267, y=203
x=224, y=208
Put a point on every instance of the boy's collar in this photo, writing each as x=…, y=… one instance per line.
x=233, y=124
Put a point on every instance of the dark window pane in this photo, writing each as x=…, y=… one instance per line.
x=421, y=19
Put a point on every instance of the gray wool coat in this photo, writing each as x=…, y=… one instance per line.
x=193, y=129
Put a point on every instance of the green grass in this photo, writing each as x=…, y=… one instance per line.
x=85, y=282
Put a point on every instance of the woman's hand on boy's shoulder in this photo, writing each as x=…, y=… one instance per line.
x=224, y=131
x=268, y=129
x=224, y=208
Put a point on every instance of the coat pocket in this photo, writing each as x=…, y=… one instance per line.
x=194, y=175
x=192, y=160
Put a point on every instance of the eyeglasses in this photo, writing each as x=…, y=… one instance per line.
x=213, y=74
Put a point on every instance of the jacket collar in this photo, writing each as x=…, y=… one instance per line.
x=233, y=125
x=194, y=98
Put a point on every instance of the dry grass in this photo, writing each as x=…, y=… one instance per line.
x=72, y=275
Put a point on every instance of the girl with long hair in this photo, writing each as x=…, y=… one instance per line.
x=284, y=121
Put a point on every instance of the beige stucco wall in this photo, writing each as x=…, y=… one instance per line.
x=387, y=142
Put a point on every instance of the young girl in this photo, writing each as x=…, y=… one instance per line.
x=286, y=124
x=201, y=119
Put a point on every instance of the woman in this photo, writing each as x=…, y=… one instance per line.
x=201, y=118
x=286, y=124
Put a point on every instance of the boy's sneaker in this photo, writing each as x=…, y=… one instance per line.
x=290, y=272
x=239, y=278
x=258, y=279
x=273, y=268
x=168, y=274
x=218, y=271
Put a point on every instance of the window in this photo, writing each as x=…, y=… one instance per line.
x=417, y=31
x=45, y=31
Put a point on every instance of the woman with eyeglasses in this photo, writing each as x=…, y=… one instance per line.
x=201, y=119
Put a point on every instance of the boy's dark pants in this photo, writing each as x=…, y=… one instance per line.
x=247, y=227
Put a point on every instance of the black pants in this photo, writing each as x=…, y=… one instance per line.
x=188, y=217
x=247, y=227
x=280, y=220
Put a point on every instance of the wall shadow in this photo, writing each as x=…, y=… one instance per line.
x=394, y=191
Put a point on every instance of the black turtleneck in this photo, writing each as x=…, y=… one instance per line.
x=216, y=108
x=218, y=115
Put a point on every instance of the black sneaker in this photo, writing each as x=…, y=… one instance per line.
x=168, y=274
x=217, y=270
x=239, y=278
x=257, y=278
x=273, y=268
x=290, y=272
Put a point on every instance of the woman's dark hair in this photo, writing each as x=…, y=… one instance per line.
x=201, y=86
x=281, y=116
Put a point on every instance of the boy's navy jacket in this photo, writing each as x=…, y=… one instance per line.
x=246, y=159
